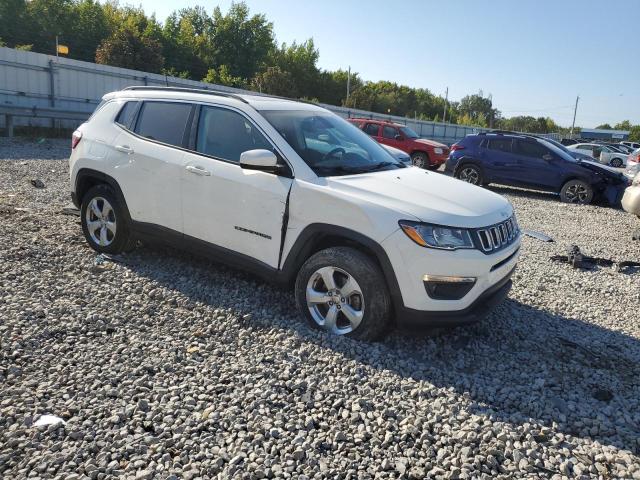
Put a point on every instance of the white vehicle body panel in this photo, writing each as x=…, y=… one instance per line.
x=243, y=210
x=604, y=157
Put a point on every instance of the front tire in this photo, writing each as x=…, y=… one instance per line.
x=576, y=191
x=420, y=159
x=469, y=173
x=105, y=221
x=343, y=291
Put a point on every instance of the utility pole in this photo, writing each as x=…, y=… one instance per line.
x=57, y=48
x=446, y=99
x=348, y=85
x=575, y=110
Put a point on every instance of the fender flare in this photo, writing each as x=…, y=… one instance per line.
x=314, y=233
x=88, y=174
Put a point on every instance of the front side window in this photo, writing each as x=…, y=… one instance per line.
x=164, y=122
x=530, y=149
x=409, y=133
x=389, y=132
x=372, y=129
x=329, y=144
x=226, y=134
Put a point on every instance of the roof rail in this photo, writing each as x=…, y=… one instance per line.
x=186, y=89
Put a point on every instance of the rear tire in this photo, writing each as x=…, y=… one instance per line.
x=105, y=221
x=617, y=162
x=420, y=159
x=576, y=191
x=469, y=173
x=343, y=291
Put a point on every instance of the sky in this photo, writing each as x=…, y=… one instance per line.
x=533, y=57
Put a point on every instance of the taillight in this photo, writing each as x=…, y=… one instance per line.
x=75, y=138
x=455, y=147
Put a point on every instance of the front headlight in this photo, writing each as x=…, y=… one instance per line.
x=436, y=236
x=438, y=150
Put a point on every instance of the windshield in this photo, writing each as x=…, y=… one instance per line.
x=560, y=152
x=329, y=144
x=407, y=132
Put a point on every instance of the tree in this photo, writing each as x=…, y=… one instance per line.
x=476, y=106
x=604, y=126
x=624, y=125
x=128, y=49
x=88, y=30
x=16, y=25
x=240, y=42
x=274, y=82
x=222, y=76
x=634, y=133
x=299, y=60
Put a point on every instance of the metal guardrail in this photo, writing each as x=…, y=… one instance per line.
x=11, y=111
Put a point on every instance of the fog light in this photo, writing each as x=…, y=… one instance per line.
x=441, y=287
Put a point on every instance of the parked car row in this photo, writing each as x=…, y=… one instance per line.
x=606, y=154
x=424, y=153
x=521, y=160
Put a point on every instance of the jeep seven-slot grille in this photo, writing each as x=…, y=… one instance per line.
x=498, y=236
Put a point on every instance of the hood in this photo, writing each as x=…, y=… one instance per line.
x=426, y=196
x=431, y=143
x=609, y=172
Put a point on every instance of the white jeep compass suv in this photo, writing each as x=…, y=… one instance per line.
x=295, y=194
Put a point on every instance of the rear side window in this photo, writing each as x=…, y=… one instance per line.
x=371, y=129
x=530, y=149
x=163, y=122
x=225, y=134
x=500, y=144
x=126, y=114
x=389, y=132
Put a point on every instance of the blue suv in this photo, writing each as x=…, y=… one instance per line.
x=521, y=160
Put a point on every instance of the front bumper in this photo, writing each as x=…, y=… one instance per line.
x=479, y=309
x=631, y=200
x=438, y=159
x=410, y=262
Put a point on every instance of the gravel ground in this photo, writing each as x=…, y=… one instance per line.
x=167, y=366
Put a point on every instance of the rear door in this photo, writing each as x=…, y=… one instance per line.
x=151, y=160
x=498, y=161
x=372, y=129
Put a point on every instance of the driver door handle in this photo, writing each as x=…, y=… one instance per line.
x=198, y=170
x=124, y=149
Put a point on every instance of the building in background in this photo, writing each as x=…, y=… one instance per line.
x=606, y=135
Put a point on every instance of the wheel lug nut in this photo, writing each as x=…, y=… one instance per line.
x=342, y=299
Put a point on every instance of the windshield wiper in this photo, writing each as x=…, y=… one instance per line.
x=377, y=166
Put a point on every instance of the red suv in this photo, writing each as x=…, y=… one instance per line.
x=424, y=153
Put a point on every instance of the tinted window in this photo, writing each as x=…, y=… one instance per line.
x=163, y=121
x=371, y=129
x=500, y=144
x=125, y=117
x=389, y=132
x=329, y=144
x=226, y=134
x=530, y=149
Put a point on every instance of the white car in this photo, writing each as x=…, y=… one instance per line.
x=294, y=194
x=631, y=197
x=603, y=153
x=632, y=145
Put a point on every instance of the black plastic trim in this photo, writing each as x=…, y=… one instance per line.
x=480, y=308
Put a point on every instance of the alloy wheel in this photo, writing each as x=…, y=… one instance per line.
x=577, y=193
x=100, y=218
x=335, y=300
x=469, y=175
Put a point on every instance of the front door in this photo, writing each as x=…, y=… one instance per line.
x=223, y=204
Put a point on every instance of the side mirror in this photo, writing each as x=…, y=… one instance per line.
x=399, y=138
x=259, y=159
x=548, y=157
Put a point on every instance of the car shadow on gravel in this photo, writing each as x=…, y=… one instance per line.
x=520, y=365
